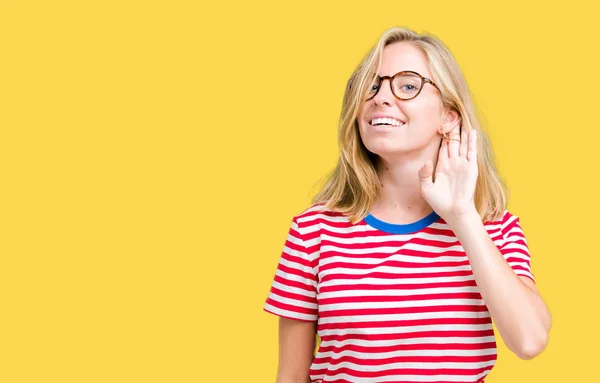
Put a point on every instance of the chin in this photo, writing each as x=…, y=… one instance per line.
x=383, y=149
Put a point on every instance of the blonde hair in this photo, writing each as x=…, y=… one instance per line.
x=352, y=187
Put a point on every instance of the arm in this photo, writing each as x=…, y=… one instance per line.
x=296, y=350
x=516, y=307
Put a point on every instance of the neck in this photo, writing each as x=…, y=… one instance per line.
x=400, y=200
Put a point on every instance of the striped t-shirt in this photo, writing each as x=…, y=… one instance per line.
x=394, y=303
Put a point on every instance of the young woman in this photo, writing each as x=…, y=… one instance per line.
x=408, y=253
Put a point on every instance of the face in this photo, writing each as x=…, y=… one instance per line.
x=421, y=117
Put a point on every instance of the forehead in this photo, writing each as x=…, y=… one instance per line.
x=402, y=56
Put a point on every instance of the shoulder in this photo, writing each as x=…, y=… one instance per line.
x=317, y=221
x=502, y=224
x=505, y=218
x=506, y=227
x=318, y=213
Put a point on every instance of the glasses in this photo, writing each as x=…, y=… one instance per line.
x=405, y=85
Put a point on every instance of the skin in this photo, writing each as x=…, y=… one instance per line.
x=407, y=157
x=404, y=150
x=297, y=340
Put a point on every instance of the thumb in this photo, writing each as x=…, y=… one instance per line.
x=425, y=174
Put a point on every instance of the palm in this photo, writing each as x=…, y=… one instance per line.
x=452, y=193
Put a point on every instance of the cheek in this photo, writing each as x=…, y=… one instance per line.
x=360, y=121
x=423, y=114
x=361, y=113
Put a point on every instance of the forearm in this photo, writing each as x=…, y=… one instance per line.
x=518, y=311
x=289, y=379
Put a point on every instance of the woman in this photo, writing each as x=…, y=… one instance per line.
x=408, y=253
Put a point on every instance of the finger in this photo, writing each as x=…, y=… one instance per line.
x=464, y=143
x=425, y=175
x=454, y=143
x=472, y=153
x=443, y=155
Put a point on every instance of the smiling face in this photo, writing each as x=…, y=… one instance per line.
x=420, y=118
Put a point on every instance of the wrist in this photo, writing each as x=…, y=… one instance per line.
x=466, y=218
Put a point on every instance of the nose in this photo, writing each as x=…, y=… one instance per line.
x=384, y=94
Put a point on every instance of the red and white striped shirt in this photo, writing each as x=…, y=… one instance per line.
x=394, y=303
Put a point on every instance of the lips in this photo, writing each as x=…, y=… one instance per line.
x=384, y=128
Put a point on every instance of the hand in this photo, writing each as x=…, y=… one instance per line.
x=452, y=194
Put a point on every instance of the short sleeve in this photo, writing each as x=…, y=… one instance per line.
x=293, y=292
x=514, y=246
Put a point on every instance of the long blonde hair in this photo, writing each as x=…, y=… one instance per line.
x=352, y=187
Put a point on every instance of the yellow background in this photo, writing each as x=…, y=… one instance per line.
x=153, y=154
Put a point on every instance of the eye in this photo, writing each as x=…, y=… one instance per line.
x=409, y=89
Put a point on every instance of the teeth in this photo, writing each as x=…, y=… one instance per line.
x=388, y=121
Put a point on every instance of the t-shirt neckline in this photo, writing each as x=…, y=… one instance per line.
x=395, y=228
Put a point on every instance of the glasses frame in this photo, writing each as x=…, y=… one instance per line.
x=424, y=80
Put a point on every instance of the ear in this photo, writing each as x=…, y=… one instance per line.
x=450, y=120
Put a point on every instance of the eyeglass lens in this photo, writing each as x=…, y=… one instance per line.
x=404, y=86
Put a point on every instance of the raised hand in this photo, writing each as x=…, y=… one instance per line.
x=452, y=194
